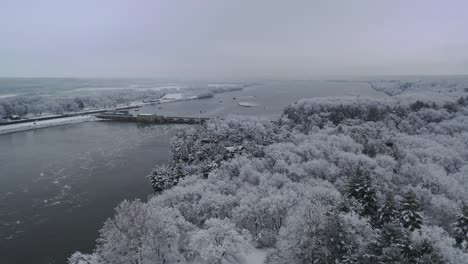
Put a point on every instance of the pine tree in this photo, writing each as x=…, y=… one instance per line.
x=165, y=177
x=420, y=252
x=389, y=246
x=425, y=253
x=410, y=216
x=461, y=101
x=337, y=242
x=394, y=245
x=360, y=188
x=461, y=228
x=388, y=212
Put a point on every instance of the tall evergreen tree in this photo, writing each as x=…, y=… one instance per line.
x=337, y=242
x=404, y=250
x=461, y=228
x=388, y=212
x=360, y=187
x=410, y=216
x=394, y=245
x=389, y=246
x=422, y=252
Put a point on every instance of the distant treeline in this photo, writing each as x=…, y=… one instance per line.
x=59, y=104
x=35, y=105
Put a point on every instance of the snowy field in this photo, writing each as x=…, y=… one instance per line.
x=256, y=256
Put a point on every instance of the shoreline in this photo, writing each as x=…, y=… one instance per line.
x=13, y=128
x=72, y=118
x=85, y=116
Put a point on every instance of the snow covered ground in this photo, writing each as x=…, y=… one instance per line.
x=256, y=256
x=85, y=118
x=45, y=123
x=131, y=87
x=222, y=85
x=174, y=96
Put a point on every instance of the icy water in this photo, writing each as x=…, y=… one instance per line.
x=59, y=184
x=270, y=99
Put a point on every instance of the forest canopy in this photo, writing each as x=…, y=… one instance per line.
x=334, y=180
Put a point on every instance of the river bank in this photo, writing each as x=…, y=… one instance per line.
x=86, y=116
x=13, y=128
x=59, y=184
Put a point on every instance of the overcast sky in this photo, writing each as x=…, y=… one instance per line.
x=232, y=38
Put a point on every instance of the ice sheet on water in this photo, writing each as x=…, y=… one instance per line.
x=247, y=104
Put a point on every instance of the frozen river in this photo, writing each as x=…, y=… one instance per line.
x=59, y=184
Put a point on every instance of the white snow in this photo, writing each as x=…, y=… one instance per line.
x=174, y=96
x=7, y=95
x=218, y=85
x=131, y=87
x=93, y=89
x=177, y=87
x=234, y=148
x=247, y=104
x=45, y=123
x=256, y=256
x=247, y=97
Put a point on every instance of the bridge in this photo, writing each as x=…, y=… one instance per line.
x=124, y=116
x=82, y=113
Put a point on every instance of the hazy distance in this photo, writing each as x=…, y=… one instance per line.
x=232, y=39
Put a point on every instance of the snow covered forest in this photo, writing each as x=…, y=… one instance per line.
x=36, y=105
x=334, y=180
x=56, y=101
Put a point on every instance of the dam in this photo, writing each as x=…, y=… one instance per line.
x=125, y=116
